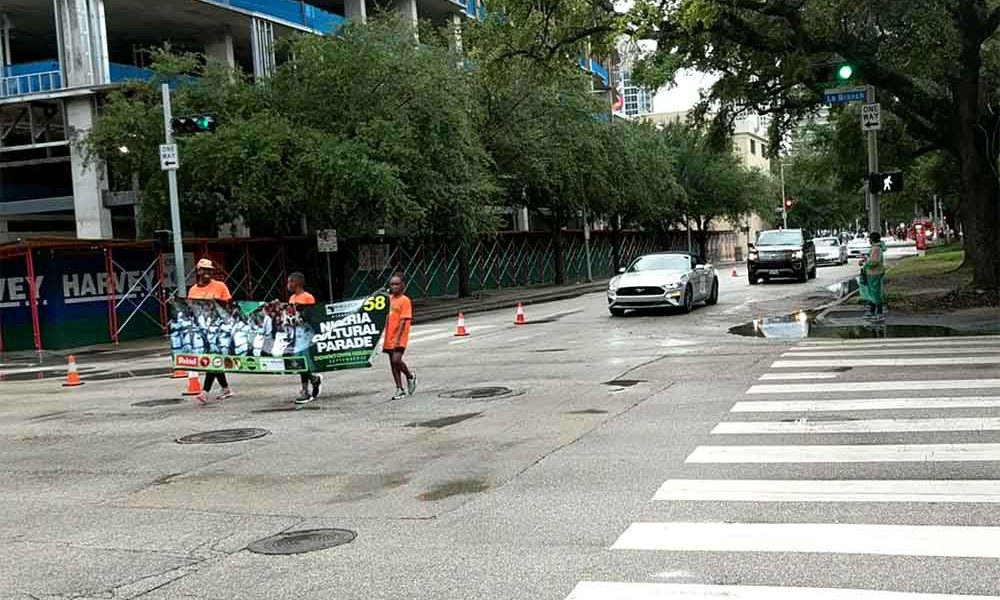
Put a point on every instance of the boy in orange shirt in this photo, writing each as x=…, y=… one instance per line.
x=300, y=297
x=207, y=288
x=397, y=335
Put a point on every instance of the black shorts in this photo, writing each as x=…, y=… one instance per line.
x=391, y=350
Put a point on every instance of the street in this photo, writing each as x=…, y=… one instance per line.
x=648, y=456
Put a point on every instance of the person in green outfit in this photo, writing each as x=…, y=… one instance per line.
x=872, y=275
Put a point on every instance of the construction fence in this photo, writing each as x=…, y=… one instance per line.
x=57, y=294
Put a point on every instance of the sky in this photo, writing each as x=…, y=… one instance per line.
x=684, y=94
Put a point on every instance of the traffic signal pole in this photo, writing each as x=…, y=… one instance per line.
x=175, y=209
x=871, y=195
x=784, y=198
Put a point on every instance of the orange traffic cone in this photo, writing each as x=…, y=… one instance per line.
x=72, y=376
x=194, y=384
x=461, y=331
x=178, y=374
x=519, y=315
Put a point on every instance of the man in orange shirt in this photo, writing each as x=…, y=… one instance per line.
x=207, y=288
x=300, y=297
x=397, y=335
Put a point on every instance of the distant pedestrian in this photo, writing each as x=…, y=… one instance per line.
x=311, y=383
x=209, y=288
x=872, y=276
x=397, y=335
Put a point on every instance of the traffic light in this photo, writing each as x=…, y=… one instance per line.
x=789, y=202
x=845, y=72
x=193, y=124
x=886, y=183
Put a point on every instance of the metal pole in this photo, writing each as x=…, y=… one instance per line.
x=586, y=246
x=175, y=209
x=784, y=203
x=874, y=216
x=329, y=279
x=687, y=225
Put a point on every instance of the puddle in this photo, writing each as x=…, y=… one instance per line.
x=444, y=421
x=454, y=488
x=624, y=382
x=158, y=402
x=108, y=376
x=800, y=325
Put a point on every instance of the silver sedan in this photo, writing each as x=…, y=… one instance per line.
x=663, y=280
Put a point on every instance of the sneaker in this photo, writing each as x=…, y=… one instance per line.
x=303, y=395
x=399, y=395
x=317, y=384
x=201, y=398
x=305, y=399
x=226, y=393
x=411, y=385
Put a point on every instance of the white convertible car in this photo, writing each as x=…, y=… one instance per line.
x=663, y=280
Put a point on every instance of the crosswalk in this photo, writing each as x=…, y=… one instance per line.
x=790, y=435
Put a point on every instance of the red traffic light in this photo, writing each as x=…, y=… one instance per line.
x=789, y=202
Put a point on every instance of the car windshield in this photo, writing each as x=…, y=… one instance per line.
x=661, y=262
x=827, y=242
x=780, y=238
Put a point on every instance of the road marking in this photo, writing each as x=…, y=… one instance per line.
x=416, y=334
x=865, y=404
x=597, y=590
x=827, y=538
x=449, y=334
x=894, y=352
x=903, y=341
x=846, y=453
x=875, y=386
x=772, y=376
x=830, y=490
x=910, y=343
x=887, y=362
x=861, y=426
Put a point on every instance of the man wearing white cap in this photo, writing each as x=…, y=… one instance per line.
x=207, y=288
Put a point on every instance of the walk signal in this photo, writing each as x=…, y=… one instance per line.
x=193, y=124
x=885, y=183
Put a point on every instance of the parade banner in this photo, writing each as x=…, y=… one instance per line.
x=257, y=337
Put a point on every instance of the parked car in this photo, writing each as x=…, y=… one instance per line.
x=829, y=251
x=782, y=253
x=663, y=280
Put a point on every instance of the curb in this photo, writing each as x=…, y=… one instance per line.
x=469, y=306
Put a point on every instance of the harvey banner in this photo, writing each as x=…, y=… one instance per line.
x=256, y=337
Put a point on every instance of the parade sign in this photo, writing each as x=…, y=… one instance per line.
x=257, y=337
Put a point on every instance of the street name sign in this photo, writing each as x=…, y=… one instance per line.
x=871, y=117
x=845, y=95
x=169, y=160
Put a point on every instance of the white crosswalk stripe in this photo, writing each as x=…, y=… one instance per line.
x=944, y=439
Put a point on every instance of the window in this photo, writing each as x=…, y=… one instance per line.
x=753, y=146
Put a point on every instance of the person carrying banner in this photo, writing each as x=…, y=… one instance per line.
x=397, y=335
x=208, y=288
x=300, y=297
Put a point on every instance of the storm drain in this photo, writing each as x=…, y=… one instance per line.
x=477, y=393
x=624, y=382
x=223, y=436
x=306, y=540
x=158, y=402
x=443, y=421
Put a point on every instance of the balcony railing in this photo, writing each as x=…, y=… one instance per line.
x=45, y=76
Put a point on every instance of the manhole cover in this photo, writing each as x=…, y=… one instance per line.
x=159, y=402
x=477, y=393
x=306, y=540
x=223, y=436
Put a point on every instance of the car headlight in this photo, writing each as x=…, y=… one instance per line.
x=613, y=285
x=797, y=254
x=676, y=285
x=753, y=255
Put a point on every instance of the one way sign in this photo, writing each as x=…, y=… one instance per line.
x=886, y=183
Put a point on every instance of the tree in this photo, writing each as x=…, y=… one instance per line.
x=935, y=64
x=716, y=186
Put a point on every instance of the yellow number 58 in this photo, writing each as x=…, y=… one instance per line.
x=376, y=303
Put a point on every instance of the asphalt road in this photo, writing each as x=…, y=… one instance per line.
x=651, y=456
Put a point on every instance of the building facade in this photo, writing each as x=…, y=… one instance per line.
x=58, y=57
x=638, y=99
